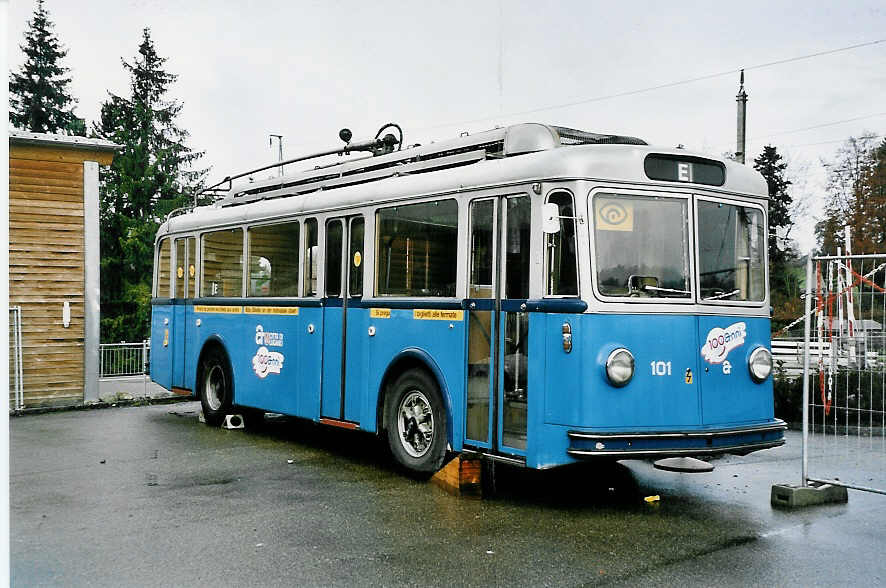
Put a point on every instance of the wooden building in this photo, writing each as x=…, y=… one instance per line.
x=54, y=263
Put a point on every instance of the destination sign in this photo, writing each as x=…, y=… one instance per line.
x=675, y=168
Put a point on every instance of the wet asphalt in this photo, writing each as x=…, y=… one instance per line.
x=147, y=496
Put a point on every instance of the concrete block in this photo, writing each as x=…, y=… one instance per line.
x=788, y=496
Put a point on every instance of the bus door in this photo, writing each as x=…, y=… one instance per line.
x=342, y=361
x=185, y=291
x=498, y=326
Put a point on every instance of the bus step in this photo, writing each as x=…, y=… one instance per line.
x=339, y=424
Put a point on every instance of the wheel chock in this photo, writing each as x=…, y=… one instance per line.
x=233, y=421
x=461, y=477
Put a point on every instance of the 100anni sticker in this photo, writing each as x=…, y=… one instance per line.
x=266, y=362
x=720, y=341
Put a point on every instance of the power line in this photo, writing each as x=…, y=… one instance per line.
x=843, y=140
x=830, y=124
x=662, y=86
x=759, y=138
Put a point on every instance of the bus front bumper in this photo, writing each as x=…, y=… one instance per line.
x=658, y=444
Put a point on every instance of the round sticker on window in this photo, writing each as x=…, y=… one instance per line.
x=180, y=272
x=192, y=270
x=357, y=259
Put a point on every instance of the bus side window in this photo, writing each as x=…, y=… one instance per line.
x=222, y=267
x=334, y=235
x=180, y=268
x=355, y=261
x=310, y=263
x=164, y=258
x=517, y=247
x=560, y=257
x=192, y=268
x=482, y=249
x=273, y=269
x=414, y=249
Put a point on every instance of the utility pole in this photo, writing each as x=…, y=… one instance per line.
x=742, y=99
x=279, y=138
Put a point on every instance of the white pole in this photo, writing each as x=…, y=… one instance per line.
x=850, y=310
x=19, y=370
x=807, y=302
x=840, y=321
x=144, y=365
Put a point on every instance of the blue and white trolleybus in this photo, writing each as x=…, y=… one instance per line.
x=536, y=294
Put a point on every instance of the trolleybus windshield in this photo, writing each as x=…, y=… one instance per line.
x=731, y=240
x=642, y=245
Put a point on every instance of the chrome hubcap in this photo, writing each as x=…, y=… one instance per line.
x=214, y=387
x=415, y=423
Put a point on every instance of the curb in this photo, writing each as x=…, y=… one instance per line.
x=148, y=401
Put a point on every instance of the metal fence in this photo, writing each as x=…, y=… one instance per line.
x=16, y=380
x=844, y=372
x=124, y=359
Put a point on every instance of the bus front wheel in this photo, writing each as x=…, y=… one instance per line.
x=416, y=422
x=216, y=387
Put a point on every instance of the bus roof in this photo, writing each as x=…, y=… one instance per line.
x=527, y=153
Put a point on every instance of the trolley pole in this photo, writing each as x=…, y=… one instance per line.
x=279, y=138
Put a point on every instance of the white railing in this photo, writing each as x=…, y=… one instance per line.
x=15, y=356
x=124, y=359
x=787, y=353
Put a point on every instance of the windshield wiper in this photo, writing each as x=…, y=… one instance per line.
x=666, y=290
x=724, y=295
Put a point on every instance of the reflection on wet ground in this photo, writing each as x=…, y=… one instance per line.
x=292, y=503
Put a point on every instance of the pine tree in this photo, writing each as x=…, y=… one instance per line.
x=772, y=166
x=782, y=280
x=39, y=100
x=152, y=175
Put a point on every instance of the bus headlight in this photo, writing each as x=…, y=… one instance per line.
x=620, y=367
x=760, y=364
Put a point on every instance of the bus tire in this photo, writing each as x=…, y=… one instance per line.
x=216, y=386
x=416, y=422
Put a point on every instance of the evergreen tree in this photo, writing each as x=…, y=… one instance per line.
x=39, y=100
x=783, y=281
x=152, y=175
x=772, y=166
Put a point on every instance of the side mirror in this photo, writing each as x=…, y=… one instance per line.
x=550, y=218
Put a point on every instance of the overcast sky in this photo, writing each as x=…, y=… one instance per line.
x=306, y=69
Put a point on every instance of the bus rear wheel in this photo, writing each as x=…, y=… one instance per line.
x=416, y=422
x=216, y=387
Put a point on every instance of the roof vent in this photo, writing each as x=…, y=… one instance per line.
x=575, y=137
x=530, y=137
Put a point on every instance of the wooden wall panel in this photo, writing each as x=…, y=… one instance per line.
x=46, y=269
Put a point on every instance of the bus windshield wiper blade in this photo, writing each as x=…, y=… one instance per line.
x=724, y=295
x=666, y=290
